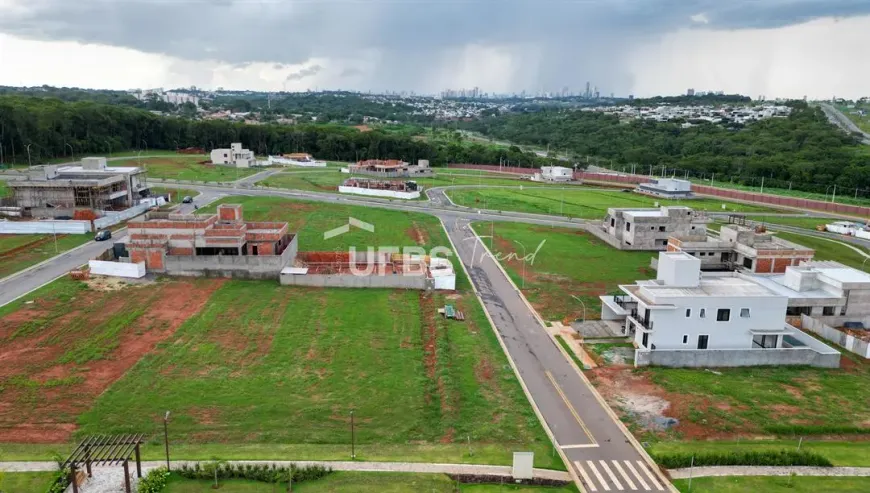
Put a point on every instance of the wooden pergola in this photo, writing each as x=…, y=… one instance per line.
x=106, y=450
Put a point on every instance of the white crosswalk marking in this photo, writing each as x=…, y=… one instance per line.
x=586, y=477
x=598, y=475
x=636, y=475
x=610, y=473
x=625, y=477
x=649, y=475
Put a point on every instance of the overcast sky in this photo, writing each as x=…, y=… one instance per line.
x=776, y=48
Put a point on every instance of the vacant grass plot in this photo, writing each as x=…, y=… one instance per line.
x=263, y=363
x=363, y=482
x=67, y=343
x=583, y=203
x=25, y=482
x=311, y=219
x=828, y=249
x=798, y=222
x=19, y=252
x=748, y=402
x=773, y=484
x=185, y=167
x=569, y=262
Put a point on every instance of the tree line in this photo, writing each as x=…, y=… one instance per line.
x=803, y=151
x=50, y=128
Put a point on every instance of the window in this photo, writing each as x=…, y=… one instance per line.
x=703, y=313
x=662, y=229
x=702, y=254
x=664, y=242
x=795, y=311
x=723, y=315
x=652, y=228
x=828, y=311
x=612, y=222
x=702, y=341
x=765, y=341
x=688, y=312
x=744, y=313
x=685, y=338
x=628, y=226
x=645, y=340
x=747, y=262
x=693, y=227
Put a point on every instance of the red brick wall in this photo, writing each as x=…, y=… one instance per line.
x=230, y=212
x=262, y=248
x=180, y=251
x=780, y=264
x=763, y=265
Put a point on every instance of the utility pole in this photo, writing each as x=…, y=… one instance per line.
x=352, y=438
x=166, y=437
x=762, y=184
x=29, y=164
x=834, y=195
x=71, y=152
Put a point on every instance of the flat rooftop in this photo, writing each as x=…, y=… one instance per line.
x=838, y=271
x=111, y=170
x=728, y=286
x=776, y=284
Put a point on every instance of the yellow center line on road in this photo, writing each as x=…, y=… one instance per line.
x=571, y=408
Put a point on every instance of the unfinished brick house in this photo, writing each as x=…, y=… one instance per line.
x=743, y=249
x=221, y=245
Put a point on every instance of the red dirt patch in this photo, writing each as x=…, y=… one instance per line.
x=418, y=234
x=44, y=410
x=25, y=249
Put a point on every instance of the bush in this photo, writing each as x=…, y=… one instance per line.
x=745, y=458
x=266, y=473
x=154, y=481
x=59, y=482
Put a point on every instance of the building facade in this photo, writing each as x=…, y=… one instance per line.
x=56, y=191
x=649, y=229
x=554, y=174
x=668, y=188
x=742, y=248
x=391, y=168
x=235, y=157
x=688, y=318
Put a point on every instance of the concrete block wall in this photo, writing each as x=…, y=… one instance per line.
x=838, y=337
x=351, y=281
x=711, y=358
x=45, y=227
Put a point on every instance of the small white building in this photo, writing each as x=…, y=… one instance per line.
x=667, y=187
x=554, y=173
x=686, y=318
x=235, y=157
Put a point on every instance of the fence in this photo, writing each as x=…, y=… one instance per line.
x=111, y=218
x=838, y=337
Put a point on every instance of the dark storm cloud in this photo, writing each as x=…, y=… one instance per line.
x=303, y=73
x=574, y=39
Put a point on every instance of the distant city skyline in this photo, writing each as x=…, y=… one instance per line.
x=780, y=48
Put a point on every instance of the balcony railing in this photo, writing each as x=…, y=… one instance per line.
x=643, y=322
x=624, y=300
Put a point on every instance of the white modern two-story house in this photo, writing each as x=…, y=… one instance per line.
x=688, y=318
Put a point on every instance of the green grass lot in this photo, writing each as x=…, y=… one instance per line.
x=5, y=191
x=185, y=167
x=271, y=372
x=594, y=268
x=760, y=401
x=798, y=222
x=328, y=181
x=19, y=252
x=840, y=453
x=25, y=482
x=830, y=249
x=773, y=484
x=584, y=203
x=362, y=482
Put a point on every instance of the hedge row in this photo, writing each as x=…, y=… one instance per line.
x=798, y=430
x=254, y=472
x=744, y=458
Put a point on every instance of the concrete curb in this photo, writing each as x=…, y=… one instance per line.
x=362, y=466
x=513, y=365
x=722, y=471
x=637, y=446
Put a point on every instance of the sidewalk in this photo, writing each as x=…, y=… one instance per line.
x=476, y=469
x=698, y=472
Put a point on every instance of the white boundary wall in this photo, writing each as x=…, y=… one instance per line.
x=44, y=227
x=283, y=161
x=840, y=338
x=117, y=269
x=111, y=218
x=379, y=193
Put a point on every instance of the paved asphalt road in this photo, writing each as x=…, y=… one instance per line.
x=837, y=117
x=598, y=450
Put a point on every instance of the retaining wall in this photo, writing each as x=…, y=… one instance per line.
x=840, y=338
x=704, y=358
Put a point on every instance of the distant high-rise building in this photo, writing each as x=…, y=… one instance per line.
x=588, y=93
x=690, y=92
x=631, y=97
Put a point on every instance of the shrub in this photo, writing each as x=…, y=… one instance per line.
x=799, y=430
x=266, y=473
x=743, y=458
x=59, y=482
x=154, y=481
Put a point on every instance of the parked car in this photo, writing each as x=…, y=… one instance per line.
x=187, y=200
x=103, y=235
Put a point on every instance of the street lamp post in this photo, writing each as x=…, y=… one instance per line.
x=29, y=164
x=352, y=438
x=166, y=437
x=72, y=153
x=523, y=277
x=581, y=304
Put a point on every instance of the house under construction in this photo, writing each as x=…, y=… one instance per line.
x=391, y=168
x=56, y=191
